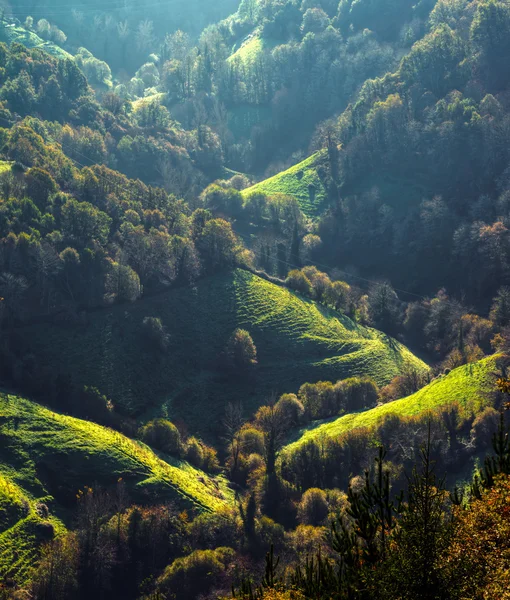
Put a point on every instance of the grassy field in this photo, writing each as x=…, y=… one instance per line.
x=14, y=33
x=49, y=454
x=140, y=102
x=251, y=47
x=300, y=181
x=297, y=340
x=5, y=166
x=469, y=385
x=22, y=530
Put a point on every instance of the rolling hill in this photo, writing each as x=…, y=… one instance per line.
x=302, y=181
x=11, y=33
x=46, y=458
x=23, y=527
x=47, y=453
x=469, y=385
x=297, y=340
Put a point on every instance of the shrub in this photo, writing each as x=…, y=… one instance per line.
x=484, y=426
x=313, y=508
x=252, y=441
x=154, y=331
x=195, y=574
x=337, y=295
x=299, y=282
x=320, y=282
x=210, y=530
x=319, y=399
x=194, y=452
x=270, y=533
x=210, y=462
x=91, y=404
x=291, y=408
x=303, y=467
x=305, y=540
x=241, y=350
x=162, y=435
x=405, y=384
x=356, y=393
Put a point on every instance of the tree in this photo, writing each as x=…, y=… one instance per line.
x=298, y=281
x=218, y=244
x=291, y=408
x=241, y=351
x=191, y=575
x=489, y=36
x=315, y=20
x=155, y=332
x=313, y=508
x=123, y=284
x=56, y=575
x=383, y=307
x=272, y=423
x=422, y=538
x=500, y=311
x=83, y=222
x=477, y=557
x=163, y=435
x=337, y=295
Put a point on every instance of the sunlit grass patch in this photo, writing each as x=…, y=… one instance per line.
x=301, y=181
x=469, y=385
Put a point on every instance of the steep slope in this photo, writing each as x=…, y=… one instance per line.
x=23, y=527
x=12, y=33
x=297, y=340
x=48, y=453
x=469, y=385
x=302, y=181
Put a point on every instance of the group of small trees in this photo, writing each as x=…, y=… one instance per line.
x=163, y=435
x=311, y=282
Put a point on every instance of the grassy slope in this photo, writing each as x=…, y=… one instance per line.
x=249, y=49
x=298, y=181
x=48, y=453
x=11, y=33
x=469, y=385
x=5, y=165
x=22, y=530
x=297, y=341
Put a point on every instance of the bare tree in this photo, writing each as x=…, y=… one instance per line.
x=145, y=35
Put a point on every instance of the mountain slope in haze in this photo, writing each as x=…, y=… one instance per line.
x=10, y=33
x=52, y=454
x=470, y=385
x=297, y=340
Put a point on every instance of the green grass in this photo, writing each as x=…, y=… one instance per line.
x=15, y=33
x=249, y=49
x=5, y=166
x=469, y=385
x=297, y=340
x=300, y=181
x=53, y=454
x=157, y=97
x=22, y=530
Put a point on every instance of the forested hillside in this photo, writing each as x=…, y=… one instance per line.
x=254, y=300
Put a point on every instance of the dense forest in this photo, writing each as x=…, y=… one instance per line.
x=254, y=300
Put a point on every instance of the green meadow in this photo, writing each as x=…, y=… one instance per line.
x=297, y=339
x=301, y=181
x=469, y=385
